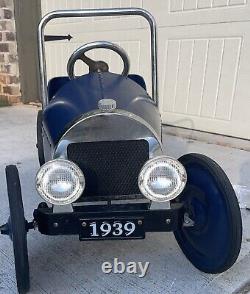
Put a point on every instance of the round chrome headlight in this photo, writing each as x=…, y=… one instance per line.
x=60, y=182
x=162, y=179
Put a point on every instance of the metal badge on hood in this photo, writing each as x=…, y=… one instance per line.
x=107, y=104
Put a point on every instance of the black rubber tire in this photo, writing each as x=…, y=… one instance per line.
x=18, y=229
x=214, y=246
x=39, y=130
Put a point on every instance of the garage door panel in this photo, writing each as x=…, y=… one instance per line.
x=75, y=25
x=188, y=5
x=187, y=12
x=201, y=75
x=199, y=60
x=202, y=72
x=211, y=77
x=237, y=2
x=241, y=103
x=228, y=78
x=220, y=3
x=204, y=4
x=183, y=77
x=175, y=5
x=169, y=73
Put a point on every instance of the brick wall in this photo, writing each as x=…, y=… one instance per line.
x=9, y=71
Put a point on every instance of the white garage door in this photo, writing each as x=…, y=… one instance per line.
x=204, y=52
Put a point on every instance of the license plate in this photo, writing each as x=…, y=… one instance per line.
x=101, y=229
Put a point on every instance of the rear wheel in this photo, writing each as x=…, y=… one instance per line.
x=39, y=130
x=18, y=229
x=213, y=240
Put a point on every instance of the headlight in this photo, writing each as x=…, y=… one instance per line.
x=162, y=179
x=60, y=182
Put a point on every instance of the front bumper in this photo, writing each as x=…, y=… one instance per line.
x=157, y=220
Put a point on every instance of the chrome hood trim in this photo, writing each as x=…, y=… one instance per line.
x=117, y=125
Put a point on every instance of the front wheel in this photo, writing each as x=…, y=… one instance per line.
x=18, y=229
x=213, y=240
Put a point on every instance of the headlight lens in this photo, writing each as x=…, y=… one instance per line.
x=60, y=182
x=162, y=179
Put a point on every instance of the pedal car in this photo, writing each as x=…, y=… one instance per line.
x=99, y=143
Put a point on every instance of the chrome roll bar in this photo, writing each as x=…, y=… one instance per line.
x=90, y=13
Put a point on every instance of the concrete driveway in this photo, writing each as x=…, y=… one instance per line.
x=65, y=265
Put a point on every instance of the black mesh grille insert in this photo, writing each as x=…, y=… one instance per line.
x=110, y=168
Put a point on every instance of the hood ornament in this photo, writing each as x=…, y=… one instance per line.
x=107, y=104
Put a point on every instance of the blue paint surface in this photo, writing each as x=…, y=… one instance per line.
x=72, y=98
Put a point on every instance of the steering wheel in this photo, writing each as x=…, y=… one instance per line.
x=96, y=66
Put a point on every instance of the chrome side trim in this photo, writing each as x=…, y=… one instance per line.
x=90, y=13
